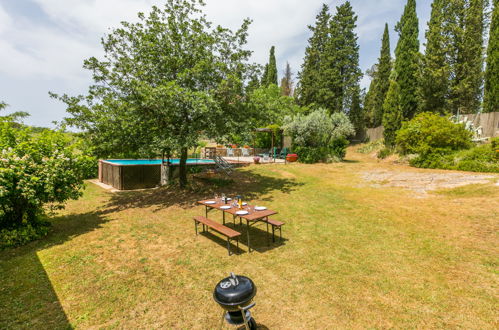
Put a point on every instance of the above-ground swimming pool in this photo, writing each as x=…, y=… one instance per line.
x=128, y=174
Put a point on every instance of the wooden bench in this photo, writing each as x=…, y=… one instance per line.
x=226, y=231
x=275, y=225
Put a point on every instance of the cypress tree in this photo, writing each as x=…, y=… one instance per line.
x=340, y=67
x=407, y=60
x=434, y=81
x=356, y=113
x=392, y=114
x=369, y=99
x=272, y=68
x=311, y=80
x=381, y=81
x=265, y=75
x=253, y=84
x=491, y=99
x=287, y=81
x=474, y=56
x=468, y=26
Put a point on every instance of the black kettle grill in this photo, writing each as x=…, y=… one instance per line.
x=235, y=295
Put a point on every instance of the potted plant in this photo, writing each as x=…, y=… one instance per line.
x=291, y=158
x=256, y=159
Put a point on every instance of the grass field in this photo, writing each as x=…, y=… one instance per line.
x=353, y=256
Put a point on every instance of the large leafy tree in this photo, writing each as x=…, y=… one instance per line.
x=311, y=85
x=163, y=82
x=340, y=68
x=267, y=106
x=436, y=69
x=491, y=99
x=380, y=82
x=407, y=60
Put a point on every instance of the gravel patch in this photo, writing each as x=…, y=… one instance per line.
x=424, y=182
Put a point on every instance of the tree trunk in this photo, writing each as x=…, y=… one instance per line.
x=182, y=177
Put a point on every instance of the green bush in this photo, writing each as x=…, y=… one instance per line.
x=318, y=136
x=371, y=146
x=478, y=159
x=429, y=133
x=38, y=172
x=22, y=235
x=385, y=152
x=439, y=143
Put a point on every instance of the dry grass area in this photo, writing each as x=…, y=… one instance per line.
x=354, y=256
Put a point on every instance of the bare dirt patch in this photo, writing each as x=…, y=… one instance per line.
x=422, y=182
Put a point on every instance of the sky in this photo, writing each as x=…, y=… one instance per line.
x=43, y=42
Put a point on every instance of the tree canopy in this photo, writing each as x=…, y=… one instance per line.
x=330, y=72
x=163, y=82
x=380, y=82
x=407, y=60
x=491, y=98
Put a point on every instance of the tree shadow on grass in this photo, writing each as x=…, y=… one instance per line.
x=260, y=239
x=28, y=299
x=250, y=185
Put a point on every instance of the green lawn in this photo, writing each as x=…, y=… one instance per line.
x=354, y=256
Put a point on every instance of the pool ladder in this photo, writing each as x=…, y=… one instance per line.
x=223, y=165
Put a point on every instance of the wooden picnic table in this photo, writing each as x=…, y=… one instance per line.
x=251, y=218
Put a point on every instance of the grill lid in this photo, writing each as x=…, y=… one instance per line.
x=234, y=290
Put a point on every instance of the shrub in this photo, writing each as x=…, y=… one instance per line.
x=371, y=146
x=478, y=159
x=429, y=133
x=37, y=172
x=22, y=235
x=385, y=152
x=319, y=136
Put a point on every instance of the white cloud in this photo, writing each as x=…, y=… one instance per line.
x=53, y=48
x=5, y=20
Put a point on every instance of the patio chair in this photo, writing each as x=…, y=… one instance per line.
x=284, y=152
x=245, y=152
x=269, y=153
x=230, y=152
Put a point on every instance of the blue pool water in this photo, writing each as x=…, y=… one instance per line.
x=157, y=161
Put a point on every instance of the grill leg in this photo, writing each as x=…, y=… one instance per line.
x=223, y=319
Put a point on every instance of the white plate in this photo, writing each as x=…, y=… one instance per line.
x=242, y=212
x=260, y=208
x=229, y=199
x=225, y=207
x=244, y=204
x=210, y=202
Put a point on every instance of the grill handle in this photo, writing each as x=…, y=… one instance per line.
x=233, y=279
